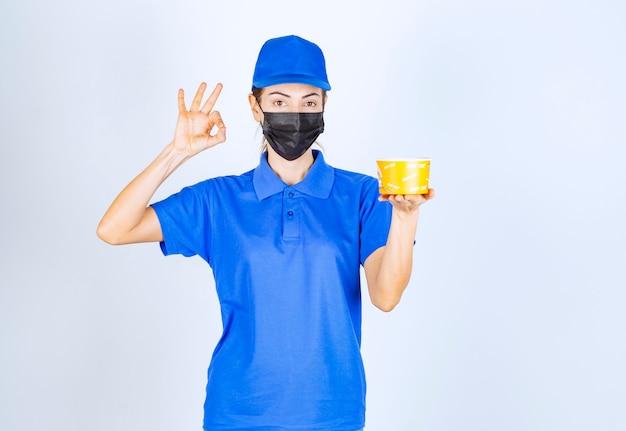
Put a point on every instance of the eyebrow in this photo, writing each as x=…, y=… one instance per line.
x=287, y=95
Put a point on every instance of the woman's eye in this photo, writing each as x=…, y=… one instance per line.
x=279, y=103
x=310, y=104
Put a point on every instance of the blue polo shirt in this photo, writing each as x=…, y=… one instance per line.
x=286, y=262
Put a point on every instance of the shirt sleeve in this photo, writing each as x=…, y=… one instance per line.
x=375, y=220
x=185, y=221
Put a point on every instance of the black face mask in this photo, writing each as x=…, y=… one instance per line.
x=292, y=133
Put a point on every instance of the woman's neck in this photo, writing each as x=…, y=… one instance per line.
x=291, y=172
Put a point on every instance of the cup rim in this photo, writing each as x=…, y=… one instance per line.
x=404, y=159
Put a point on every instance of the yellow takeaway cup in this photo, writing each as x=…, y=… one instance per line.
x=403, y=176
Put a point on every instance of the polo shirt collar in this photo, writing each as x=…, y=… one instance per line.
x=318, y=182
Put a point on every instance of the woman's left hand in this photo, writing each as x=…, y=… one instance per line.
x=407, y=203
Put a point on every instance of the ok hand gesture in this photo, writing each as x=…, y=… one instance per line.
x=194, y=126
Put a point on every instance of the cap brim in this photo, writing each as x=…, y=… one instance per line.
x=291, y=79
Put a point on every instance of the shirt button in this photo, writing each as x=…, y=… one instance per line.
x=291, y=194
x=290, y=213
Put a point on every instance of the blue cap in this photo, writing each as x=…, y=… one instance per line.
x=290, y=60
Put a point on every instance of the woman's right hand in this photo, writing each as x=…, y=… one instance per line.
x=130, y=219
x=194, y=126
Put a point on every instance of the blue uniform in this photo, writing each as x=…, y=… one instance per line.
x=286, y=262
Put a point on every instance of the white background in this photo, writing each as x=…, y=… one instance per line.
x=514, y=318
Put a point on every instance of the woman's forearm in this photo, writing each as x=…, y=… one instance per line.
x=394, y=261
x=122, y=223
x=388, y=269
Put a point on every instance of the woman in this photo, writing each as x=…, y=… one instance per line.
x=285, y=242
